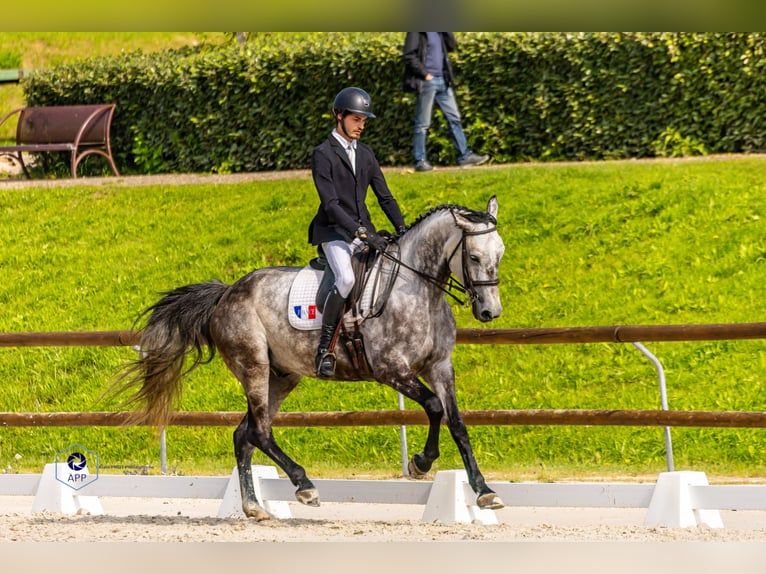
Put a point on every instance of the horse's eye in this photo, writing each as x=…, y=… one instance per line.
x=473, y=258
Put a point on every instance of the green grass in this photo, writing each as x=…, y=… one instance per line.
x=590, y=244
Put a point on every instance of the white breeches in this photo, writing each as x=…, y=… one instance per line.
x=338, y=255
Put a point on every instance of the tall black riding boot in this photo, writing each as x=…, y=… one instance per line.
x=333, y=311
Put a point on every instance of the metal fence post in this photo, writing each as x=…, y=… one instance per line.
x=163, y=450
x=663, y=400
x=403, y=440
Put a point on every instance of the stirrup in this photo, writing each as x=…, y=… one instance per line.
x=325, y=365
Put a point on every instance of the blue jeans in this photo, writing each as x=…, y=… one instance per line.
x=437, y=90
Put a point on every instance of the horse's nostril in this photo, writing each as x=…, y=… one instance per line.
x=486, y=315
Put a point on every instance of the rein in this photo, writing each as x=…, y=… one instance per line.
x=453, y=283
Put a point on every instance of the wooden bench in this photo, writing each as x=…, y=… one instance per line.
x=81, y=130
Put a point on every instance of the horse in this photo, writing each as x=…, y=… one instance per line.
x=408, y=344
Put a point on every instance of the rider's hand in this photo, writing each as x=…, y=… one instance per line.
x=371, y=238
x=376, y=241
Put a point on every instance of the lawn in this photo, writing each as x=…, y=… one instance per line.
x=634, y=242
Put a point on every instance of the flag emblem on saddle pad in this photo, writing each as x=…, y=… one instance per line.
x=305, y=311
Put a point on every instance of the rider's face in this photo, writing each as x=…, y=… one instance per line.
x=353, y=126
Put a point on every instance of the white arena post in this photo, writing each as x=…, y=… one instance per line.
x=672, y=503
x=55, y=496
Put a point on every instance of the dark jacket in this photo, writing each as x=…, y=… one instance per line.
x=414, y=58
x=342, y=194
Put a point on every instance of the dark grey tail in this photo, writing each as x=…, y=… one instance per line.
x=178, y=327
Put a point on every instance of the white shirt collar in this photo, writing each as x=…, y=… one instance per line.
x=343, y=141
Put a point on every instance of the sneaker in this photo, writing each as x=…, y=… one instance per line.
x=473, y=159
x=423, y=165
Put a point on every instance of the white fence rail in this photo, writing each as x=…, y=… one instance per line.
x=677, y=499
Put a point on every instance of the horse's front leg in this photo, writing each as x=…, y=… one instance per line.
x=421, y=462
x=444, y=386
x=413, y=389
x=486, y=497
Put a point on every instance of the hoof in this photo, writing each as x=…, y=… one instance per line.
x=308, y=496
x=489, y=501
x=256, y=512
x=414, y=471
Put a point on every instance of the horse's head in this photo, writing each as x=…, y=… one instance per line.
x=481, y=249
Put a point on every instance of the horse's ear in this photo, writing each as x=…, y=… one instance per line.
x=492, y=206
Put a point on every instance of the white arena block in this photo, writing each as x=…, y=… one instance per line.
x=231, y=505
x=448, y=501
x=671, y=503
x=55, y=496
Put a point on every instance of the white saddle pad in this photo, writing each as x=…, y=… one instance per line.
x=302, y=312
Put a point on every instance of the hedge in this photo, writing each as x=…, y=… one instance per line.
x=523, y=96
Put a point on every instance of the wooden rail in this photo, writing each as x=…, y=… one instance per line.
x=612, y=334
x=539, y=336
x=71, y=339
x=480, y=336
x=719, y=419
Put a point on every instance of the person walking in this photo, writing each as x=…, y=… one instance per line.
x=343, y=168
x=428, y=72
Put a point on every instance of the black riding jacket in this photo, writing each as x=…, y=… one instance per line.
x=343, y=194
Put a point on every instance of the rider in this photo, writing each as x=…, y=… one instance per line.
x=343, y=168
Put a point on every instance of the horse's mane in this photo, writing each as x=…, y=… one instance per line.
x=471, y=215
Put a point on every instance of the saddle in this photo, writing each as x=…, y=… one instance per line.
x=374, y=279
x=361, y=262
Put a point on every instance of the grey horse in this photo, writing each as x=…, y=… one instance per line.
x=409, y=342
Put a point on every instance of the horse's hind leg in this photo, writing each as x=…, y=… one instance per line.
x=412, y=388
x=279, y=387
x=243, y=451
x=255, y=431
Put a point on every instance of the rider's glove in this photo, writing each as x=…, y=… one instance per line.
x=371, y=238
x=376, y=241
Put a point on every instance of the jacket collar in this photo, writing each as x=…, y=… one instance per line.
x=340, y=150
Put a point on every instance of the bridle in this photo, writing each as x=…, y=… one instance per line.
x=452, y=283
x=470, y=284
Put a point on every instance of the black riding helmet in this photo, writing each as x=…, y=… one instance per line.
x=353, y=101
